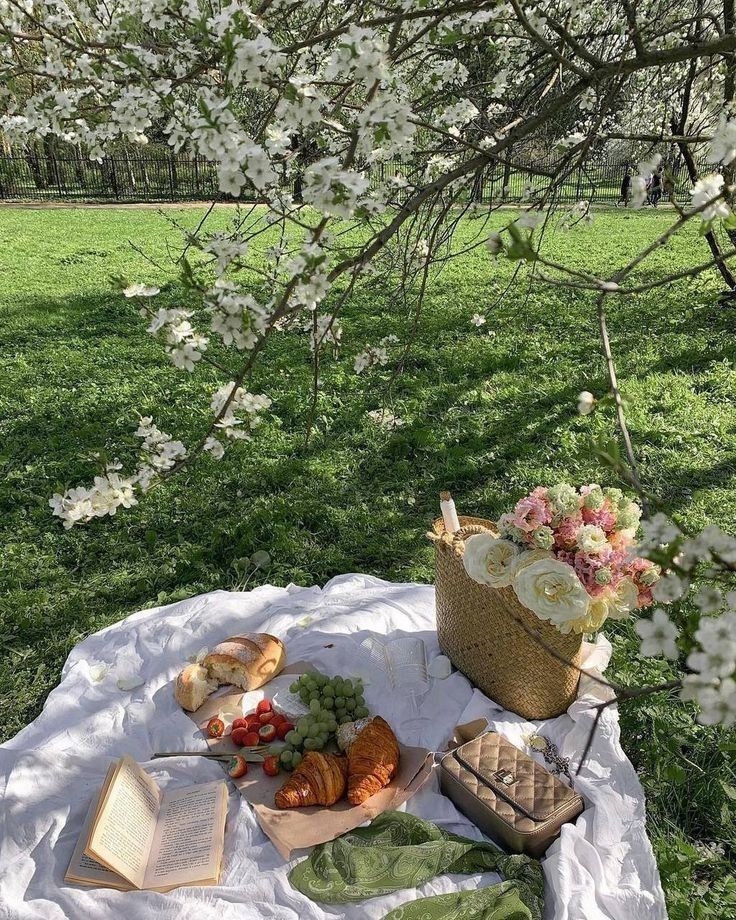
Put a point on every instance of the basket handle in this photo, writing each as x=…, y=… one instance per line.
x=456, y=540
x=467, y=530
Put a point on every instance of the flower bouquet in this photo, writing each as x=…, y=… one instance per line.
x=515, y=598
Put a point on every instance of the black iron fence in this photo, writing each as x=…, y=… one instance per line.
x=178, y=177
x=124, y=177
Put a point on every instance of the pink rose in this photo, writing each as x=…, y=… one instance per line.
x=566, y=534
x=645, y=597
x=586, y=566
x=619, y=540
x=530, y=513
x=636, y=569
x=603, y=517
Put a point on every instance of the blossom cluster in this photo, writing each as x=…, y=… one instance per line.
x=237, y=412
x=373, y=355
x=568, y=555
x=229, y=403
x=183, y=344
x=109, y=491
x=711, y=662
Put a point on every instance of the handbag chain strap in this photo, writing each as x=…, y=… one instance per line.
x=559, y=765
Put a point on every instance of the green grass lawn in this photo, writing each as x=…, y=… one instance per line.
x=488, y=412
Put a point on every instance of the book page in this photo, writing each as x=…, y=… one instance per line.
x=126, y=823
x=188, y=845
x=82, y=868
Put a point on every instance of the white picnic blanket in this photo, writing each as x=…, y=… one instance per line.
x=601, y=868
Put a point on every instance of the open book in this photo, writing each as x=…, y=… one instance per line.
x=136, y=836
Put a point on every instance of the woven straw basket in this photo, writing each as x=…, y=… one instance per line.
x=481, y=629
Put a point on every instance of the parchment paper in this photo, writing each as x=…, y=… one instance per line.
x=297, y=828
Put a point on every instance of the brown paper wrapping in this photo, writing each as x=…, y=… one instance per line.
x=297, y=828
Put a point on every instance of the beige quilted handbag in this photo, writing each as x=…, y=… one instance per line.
x=507, y=794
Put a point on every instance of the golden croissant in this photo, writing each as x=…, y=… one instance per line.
x=373, y=758
x=318, y=780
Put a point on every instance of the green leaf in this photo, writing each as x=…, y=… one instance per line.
x=260, y=559
x=674, y=773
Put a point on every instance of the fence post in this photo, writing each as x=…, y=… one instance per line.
x=171, y=174
x=113, y=177
x=57, y=174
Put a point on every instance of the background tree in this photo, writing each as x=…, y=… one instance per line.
x=283, y=94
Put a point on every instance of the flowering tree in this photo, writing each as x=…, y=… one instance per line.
x=300, y=102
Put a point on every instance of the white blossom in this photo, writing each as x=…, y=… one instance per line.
x=709, y=599
x=706, y=190
x=215, y=447
x=108, y=492
x=718, y=704
x=669, y=588
x=722, y=147
x=373, y=355
x=571, y=140
x=228, y=407
x=494, y=244
x=529, y=220
x=141, y=290
x=717, y=662
x=478, y=320
x=586, y=402
x=328, y=332
x=226, y=249
x=658, y=530
x=639, y=181
x=658, y=635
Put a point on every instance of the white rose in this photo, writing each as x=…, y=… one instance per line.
x=592, y=539
x=490, y=560
x=624, y=601
x=553, y=591
x=530, y=555
x=599, y=609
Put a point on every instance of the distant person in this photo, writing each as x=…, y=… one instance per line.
x=625, y=196
x=668, y=184
x=655, y=189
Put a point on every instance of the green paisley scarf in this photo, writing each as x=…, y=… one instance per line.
x=398, y=850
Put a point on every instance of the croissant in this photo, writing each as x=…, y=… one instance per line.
x=373, y=758
x=318, y=780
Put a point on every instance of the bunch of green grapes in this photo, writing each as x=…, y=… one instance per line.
x=341, y=697
x=331, y=702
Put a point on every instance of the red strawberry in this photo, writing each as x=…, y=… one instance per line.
x=237, y=766
x=271, y=765
x=277, y=719
x=251, y=739
x=283, y=729
x=215, y=727
x=239, y=735
x=240, y=723
x=266, y=718
x=253, y=721
x=264, y=706
x=267, y=733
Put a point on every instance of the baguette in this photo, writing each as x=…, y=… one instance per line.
x=246, y=661
x=193, y=686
